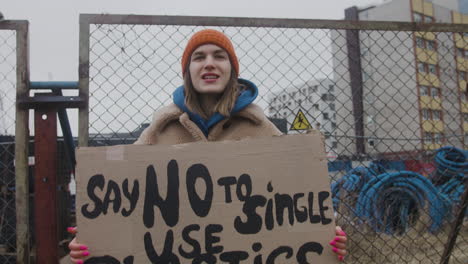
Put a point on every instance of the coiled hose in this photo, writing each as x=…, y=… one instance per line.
x=451, y=172
x=452, y=162
x=354, y=180
x=392, y=202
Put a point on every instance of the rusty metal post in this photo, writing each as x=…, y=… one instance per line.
x=46, y=106
x=45, y=185
x=83, y=82
x=21, y=146
x=355, y=74
x=456, y=227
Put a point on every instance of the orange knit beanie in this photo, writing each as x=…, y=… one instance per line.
x=209, y=36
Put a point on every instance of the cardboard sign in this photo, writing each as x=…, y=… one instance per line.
x=251, y=201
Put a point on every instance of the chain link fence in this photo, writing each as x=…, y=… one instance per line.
x=7, y=150
x=386, y=96
x=14, y=171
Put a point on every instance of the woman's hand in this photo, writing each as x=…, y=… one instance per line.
x=339, y=243
x=77, y=251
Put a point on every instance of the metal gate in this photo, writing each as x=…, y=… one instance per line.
x=385, y=95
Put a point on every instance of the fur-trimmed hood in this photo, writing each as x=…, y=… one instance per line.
x=171, y=125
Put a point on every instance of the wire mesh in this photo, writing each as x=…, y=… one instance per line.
x=384, y=100
x=7, y=151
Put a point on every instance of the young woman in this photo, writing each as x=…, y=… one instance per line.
x=212, y=105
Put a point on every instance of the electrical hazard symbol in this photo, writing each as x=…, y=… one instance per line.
x=300, y=122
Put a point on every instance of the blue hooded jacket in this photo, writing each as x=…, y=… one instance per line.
x=245, y=98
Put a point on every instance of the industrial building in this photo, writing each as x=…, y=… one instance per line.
x=401, y=91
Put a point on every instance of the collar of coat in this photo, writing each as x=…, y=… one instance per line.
x=172, y=113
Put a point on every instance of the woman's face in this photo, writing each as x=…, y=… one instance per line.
x=210, y=69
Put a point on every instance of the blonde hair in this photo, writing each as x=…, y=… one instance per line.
x=225, y=103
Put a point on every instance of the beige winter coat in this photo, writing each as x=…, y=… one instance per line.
x=171, y=126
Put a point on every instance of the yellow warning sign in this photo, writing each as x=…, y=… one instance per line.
x=300, y=122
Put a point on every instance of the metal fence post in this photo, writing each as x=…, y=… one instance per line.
x=83, y=72
x=456, y=227
x=21, y=147
x=355, y=69
x=45, y=185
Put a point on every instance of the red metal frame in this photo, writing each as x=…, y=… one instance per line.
x=45, y=186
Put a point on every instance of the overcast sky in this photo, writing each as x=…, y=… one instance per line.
x=54, y=23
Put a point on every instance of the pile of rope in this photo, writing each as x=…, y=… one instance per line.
x=393, y=202
x=451, y=173
x=353, y=181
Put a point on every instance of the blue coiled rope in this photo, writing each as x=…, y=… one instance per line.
x=354, y=180
x=451, y=162
x=451, y=171
x=391, y=202
x=453, y=189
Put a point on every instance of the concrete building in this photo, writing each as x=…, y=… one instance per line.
x=413, y=84
x=316, y=100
